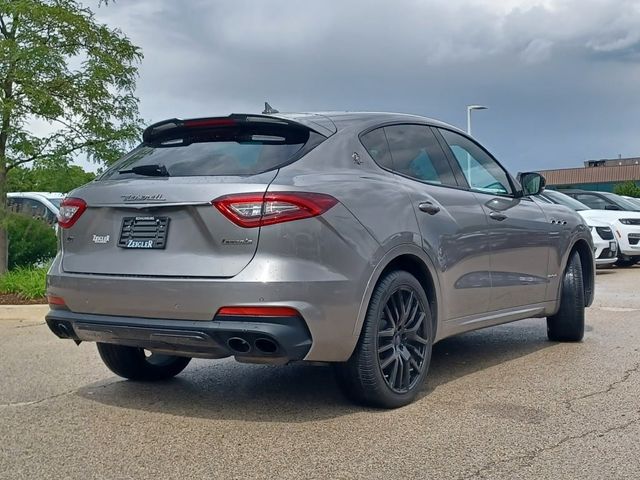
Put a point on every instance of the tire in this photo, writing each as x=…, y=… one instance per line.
x=626, y=262
x=568, y=324
x=390, y=362
x=132, y=363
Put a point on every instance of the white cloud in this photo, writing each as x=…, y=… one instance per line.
x=548, y=58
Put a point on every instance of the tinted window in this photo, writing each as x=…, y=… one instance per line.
x=620, y=201
x=566, y=200
x=416, y=153
x=376, y=144
x=592, y=201
x=238, y=150
x=15, y=204
x=31, y=208
x=482, y=172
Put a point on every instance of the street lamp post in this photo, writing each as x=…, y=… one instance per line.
x=470, y=108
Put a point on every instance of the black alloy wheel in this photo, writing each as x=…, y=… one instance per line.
x=403, y=340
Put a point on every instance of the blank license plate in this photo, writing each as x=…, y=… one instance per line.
x=144, y=232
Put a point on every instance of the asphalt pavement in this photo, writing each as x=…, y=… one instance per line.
x=499, y=403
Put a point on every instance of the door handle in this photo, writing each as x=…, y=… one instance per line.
x=498, y=216
x=428, y=207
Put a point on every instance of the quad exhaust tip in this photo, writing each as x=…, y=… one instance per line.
x=62, y=330
x=239, y=345
x=266, y=345
x=262, y=345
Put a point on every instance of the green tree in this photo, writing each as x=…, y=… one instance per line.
x=59, y=66
x=628, y=189
x=46, y=178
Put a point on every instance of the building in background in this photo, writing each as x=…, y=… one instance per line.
x=596, y=175
x=613, y=162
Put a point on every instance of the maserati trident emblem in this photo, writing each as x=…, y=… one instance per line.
x=158, y=197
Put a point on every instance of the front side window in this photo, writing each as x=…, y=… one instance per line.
x=15, y=204
x=35, y=209
x=482, y=172
x=416, y=153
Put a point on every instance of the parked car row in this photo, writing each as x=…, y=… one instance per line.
x=612, y=218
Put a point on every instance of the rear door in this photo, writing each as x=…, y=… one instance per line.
x=451, y=221
x=151, y=213
x=519, y=231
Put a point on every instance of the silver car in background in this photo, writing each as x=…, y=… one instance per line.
x=359, y=239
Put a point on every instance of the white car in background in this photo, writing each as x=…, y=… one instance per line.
x=43, y=205
x=606, y=247
x=635, y=201
x=624, y=224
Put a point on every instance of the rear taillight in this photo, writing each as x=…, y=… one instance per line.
x=70, y=211
x=258, y=312
x=255, y=209
x=56, y=303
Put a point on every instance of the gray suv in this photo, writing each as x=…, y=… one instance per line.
x=358, y=239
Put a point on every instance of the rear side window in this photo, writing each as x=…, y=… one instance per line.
x=242, y=149
x=376, y=144
x=416, y=153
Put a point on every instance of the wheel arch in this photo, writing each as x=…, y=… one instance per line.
x=414, y=261
x=583, y=249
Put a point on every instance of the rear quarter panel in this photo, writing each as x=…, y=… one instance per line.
x=381, y=206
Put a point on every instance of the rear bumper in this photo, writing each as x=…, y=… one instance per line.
x=328, y=302
x=319, y=266
x=249, y=339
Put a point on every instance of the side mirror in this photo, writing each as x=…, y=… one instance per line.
x=612, y=207
x=532, y=183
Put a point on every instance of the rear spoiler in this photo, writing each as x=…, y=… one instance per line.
x=317, y=123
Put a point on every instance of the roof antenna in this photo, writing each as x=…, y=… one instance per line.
x=268, y=109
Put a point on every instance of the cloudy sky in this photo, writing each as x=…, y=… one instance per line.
x=561, y=77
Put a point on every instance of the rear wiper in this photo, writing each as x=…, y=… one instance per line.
x=153, y=170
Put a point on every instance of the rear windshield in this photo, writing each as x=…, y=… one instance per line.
x=239, y=150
